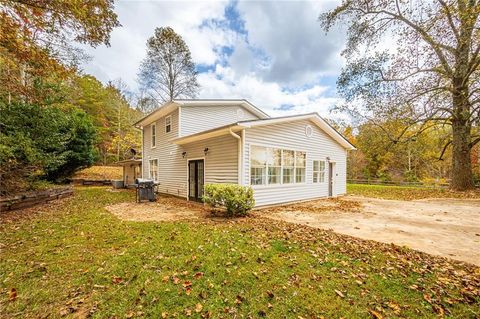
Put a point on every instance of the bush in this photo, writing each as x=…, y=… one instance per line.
x=42, y=142
x=235, y=199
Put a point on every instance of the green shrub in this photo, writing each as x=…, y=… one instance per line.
x=235, y=199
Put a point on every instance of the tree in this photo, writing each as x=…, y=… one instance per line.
x=168, y=72
x=48, y=142
x=430, y=77
x=37, y=36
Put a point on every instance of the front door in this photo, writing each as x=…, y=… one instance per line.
x=195, y=180
x=330, y=179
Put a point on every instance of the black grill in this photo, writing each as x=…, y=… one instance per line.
x=145, y=189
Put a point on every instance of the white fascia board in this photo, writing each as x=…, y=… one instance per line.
x=158, y=113
x=207, y=134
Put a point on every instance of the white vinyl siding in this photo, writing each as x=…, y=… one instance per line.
x=202, y=118
x=291, y=136
x=220, y=163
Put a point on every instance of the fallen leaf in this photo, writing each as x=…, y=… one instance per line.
x=198, y=307
x=375, y=314
x=338, y=292
x=12, y=294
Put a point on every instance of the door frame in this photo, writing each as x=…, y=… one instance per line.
x=331, y=179
x=188, y=172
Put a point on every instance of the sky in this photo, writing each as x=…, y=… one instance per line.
x=272, y=53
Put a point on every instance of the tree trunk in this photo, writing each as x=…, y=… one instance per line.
x=462, y=177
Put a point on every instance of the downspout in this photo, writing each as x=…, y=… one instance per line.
x=239, y=168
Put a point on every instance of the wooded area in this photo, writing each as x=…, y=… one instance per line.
x=55, y=119
x=412, y=71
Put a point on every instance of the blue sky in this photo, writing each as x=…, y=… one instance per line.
x=272, y=53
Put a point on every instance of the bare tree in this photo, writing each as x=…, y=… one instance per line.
x=168, y=71
x=432, y=76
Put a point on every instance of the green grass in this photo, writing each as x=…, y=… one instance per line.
x=75, y=259
x=406, y=193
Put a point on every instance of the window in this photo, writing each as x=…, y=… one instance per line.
x=318, y=171
x=288, y=166
x=300, y=166
x=274, y=162
x=153, y=169
x=258, y=165
x=271, y=166
x=168, y=124
x=154, y=135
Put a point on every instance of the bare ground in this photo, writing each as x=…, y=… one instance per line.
x=444, y=227
x=166, y=208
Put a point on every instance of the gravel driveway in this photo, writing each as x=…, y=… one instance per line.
x=444, y=227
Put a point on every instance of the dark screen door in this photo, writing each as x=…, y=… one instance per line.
x=330, y=179
x=195, y=180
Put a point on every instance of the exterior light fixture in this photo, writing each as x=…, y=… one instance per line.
x=328, y=159
x=205, y=151
x=184, y=154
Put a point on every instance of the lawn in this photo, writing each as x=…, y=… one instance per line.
x=74, y=259
x=100, y=173
x=407, y=193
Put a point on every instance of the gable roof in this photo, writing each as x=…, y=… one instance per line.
x=235, y=127
x=174, y=104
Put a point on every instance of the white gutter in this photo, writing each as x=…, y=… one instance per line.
x=239, y=168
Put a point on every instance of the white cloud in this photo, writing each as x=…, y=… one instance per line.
x=279, y=60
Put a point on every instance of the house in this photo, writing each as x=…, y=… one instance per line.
x=132, y=169
x=188, y=143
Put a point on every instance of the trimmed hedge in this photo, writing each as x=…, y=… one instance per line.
x=236, y=199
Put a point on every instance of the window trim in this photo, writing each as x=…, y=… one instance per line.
x=319, y=171
x=150, y=170
x=169, y=125
x=153, y=137
x=281, y=184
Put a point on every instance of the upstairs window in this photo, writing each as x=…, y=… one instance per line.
x=318, y=171
x=153, y=135
x=168, y=124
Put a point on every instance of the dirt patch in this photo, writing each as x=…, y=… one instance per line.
x=318, y=206
x=445, y=227
x=164, y=209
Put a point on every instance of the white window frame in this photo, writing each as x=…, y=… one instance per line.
x=281, y=184
x=153, y=137
x=150, y=169
x=319, y=171
x=169, y=125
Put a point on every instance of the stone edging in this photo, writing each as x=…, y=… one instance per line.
x=33, y=198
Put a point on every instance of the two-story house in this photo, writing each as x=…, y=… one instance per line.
x=188, y=143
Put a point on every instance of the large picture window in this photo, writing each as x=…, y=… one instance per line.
x=318, y=171
x=153, y=169
x=274, y=161
x=258, y=165
x=272, y=166
x=288, y=166
x=300, y=166
x=153, y=131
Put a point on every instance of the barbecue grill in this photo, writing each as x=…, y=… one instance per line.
x=145, y=189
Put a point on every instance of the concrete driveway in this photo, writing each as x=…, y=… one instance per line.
x=444, y=227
